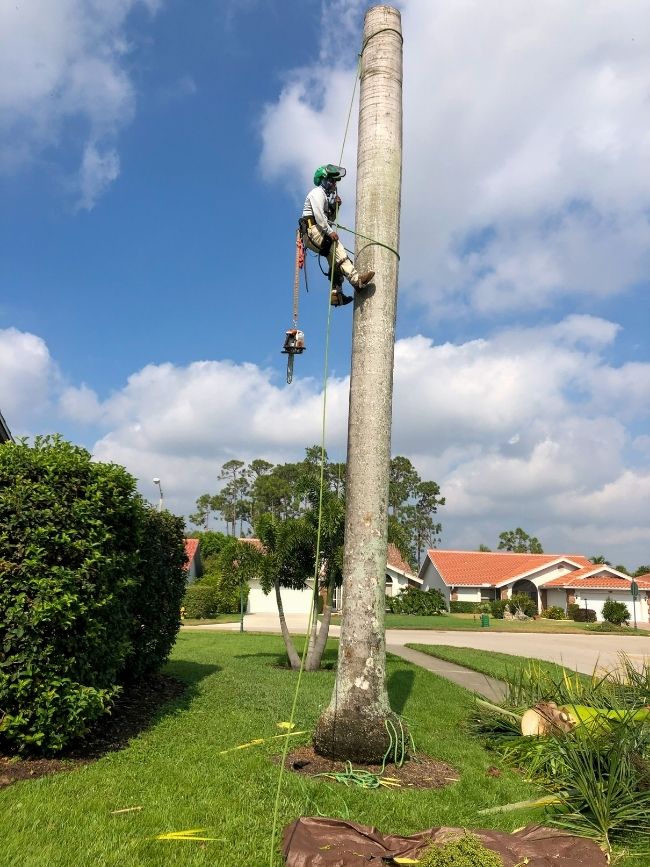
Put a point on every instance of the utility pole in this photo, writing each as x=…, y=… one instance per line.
x=354, y=725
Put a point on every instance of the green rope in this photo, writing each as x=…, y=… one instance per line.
x=372, y=241
x=285, y=748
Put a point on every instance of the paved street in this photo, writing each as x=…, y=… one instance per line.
x=579, y=652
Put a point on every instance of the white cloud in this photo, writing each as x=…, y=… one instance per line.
x=525, y=149
x=495, y=421
x=28, y=377
x=62, y=62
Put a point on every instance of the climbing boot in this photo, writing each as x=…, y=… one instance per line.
x=338, y=299
x=364, y=278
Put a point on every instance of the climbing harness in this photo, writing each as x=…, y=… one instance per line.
x=294, y=338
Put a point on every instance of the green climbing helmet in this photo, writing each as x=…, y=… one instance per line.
x=334, y=173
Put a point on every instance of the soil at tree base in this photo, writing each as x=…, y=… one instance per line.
x=133, y=711
x=354, y=732
x=422, y=772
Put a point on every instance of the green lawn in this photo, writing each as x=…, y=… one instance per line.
x=175, y=773
x=220, y=618
x=491, y=663
x=467, y=622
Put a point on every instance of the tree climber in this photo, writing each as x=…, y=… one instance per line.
x=319, y=235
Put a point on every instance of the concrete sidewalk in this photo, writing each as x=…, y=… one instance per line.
x=490, y=688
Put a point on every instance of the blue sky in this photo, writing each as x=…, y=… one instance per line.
x=154, y=156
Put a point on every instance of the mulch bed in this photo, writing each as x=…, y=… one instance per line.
x=132, y=713
x=423, y=773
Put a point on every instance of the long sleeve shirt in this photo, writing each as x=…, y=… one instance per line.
x=316, y=206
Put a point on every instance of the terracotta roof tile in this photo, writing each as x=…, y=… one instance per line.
x=476, y=568
x=191, y=547
x=395, y=559
x=598, y=577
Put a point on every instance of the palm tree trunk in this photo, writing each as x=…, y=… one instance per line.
x=315, y=654
x=292, y=653
x=353, y=726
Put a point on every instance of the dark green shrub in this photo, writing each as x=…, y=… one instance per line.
x=584, y=615
x=211, y=543
x=498, y=607
x=78, y=552
x=412, y=600
x=157, y=596
x=68, y=545
x=553, y=613
x=571, y=610
x=616, y=612
x=463, y=607
x=522, y=602
x=200, y=601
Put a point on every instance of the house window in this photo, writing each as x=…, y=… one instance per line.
x=488, y=594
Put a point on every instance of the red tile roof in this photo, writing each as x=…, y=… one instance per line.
x=475, y=568
x=191, y=547
x=598, y=577
x=395, y=560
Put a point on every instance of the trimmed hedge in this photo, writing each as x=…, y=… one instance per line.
x=554, y=613
x=412, y=600
x=200, y=601
x=83, y=561
x=584, y=615
x=498, y=607
x=463, y=607
x=156, y=596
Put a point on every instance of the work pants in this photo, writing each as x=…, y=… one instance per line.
x=337, y=258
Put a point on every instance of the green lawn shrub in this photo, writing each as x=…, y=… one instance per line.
x=571, y=610
x=554, y=613
x=616, y=612
x=412, y=600
x=522, y=602
x=498, y=607
x=73, y=594
x=585, y=615
x=200, y=601
x=463, y=607
x=157, y=595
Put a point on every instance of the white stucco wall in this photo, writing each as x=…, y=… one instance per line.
x=548, y=573
x=293, y=601
x=556, y=597
x=595, y=599
x=431, y=580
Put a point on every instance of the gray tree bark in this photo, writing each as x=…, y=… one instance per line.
x=354, y=725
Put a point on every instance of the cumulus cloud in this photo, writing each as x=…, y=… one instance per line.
x=28, y=377
x=525, y=149
x=60, y=63
x=496, y=422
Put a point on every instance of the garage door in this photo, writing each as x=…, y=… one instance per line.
x=595, y=600
x=293, y=601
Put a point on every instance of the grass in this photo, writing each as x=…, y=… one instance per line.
x=205, y=621
x=492, y=663
x=469, y=622
x=175, y=773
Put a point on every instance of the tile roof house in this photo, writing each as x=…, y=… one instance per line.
x=194, y=565
x=398, y=576
x=549, y=579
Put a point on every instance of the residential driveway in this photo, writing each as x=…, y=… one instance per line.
x=579, y=652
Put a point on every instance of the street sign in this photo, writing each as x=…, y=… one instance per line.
x=634, y=590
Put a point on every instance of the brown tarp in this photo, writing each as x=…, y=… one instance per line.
x=322, y=842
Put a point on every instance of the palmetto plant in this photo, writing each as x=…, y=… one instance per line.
x=598, y=773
